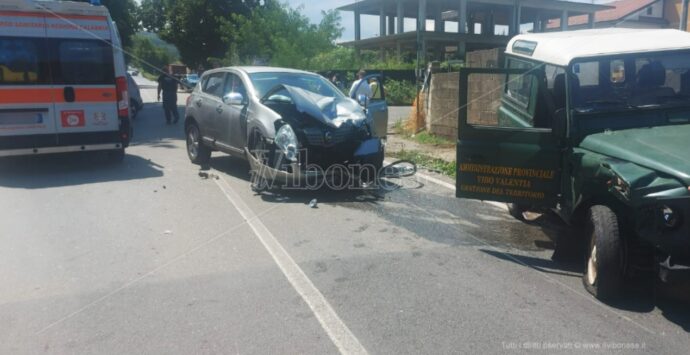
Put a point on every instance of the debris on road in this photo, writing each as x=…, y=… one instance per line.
x=314, y=203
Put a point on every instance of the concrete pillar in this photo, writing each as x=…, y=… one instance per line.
x=462, y=51
x=462, y=17
x=564, y=20
x=358, y=25
x=684, y=16
x=440, y=52
x=382, y=21
x=590, y=20
x=421, y=19
x=421, y=32
x=439, y=24
x=391, y=25
x=401, y=17
x=516, y=19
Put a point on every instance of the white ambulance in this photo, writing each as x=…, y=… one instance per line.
x=63, y=85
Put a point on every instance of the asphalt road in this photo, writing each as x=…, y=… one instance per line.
x=149, y=257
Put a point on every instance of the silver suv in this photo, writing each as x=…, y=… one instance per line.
x=284, y=121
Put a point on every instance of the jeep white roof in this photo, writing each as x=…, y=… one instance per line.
x=560, y=48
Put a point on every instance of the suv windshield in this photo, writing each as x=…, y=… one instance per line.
x=264, y=82
x=642, y=80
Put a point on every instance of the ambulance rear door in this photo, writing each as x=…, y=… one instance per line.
x=27, y=108
x=83, y=67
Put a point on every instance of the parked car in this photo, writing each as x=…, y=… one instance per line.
x=136, y=103
x=282, y=120
x=190, y=81
x=593, y=125
x=62, y=89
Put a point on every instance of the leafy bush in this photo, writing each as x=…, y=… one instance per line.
x=400, y=93
x=148, y=57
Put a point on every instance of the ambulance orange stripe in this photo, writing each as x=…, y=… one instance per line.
x=31, y=96
x=25, y=96
x=51, y=15
x=90, y=95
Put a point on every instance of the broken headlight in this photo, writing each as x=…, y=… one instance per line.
x=286, y=141
x=620, y=185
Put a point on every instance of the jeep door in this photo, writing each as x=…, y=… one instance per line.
x=502, y=155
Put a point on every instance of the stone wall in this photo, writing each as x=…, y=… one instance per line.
x=442, y=117
x=442, y=114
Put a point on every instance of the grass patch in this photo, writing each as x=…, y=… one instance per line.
x=427, y=162
x=422, y=137
x=427, y=138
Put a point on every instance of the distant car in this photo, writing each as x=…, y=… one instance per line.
x=283, y=121
x=135, y=101
x=190, y=81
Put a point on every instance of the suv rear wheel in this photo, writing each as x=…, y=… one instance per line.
x=197, y=152
x=606, y=260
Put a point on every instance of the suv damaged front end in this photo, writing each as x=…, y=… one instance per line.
x=319, y=140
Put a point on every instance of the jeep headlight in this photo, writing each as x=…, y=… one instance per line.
x=286, y=141
x=620, y=185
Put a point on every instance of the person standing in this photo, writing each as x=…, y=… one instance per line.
x=167, y=84
x=363, y=89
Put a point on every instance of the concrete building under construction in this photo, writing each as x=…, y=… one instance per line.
x=458, y=25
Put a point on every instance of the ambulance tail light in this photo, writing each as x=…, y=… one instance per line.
x=122, y=97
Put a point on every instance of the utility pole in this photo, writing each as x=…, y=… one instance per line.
x=684, y=16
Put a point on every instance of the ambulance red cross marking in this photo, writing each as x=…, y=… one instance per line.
x=72, y=118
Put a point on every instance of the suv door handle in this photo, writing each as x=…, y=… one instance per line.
x=219, y=109
x=198, y=102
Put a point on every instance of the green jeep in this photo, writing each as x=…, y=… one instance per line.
x=595, y=126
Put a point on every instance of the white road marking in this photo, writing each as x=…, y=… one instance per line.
x=340, y=334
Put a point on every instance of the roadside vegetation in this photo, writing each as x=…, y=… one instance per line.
x=426, y=161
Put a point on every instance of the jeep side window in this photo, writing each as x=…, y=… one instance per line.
x=518, y=107
x=519, y=87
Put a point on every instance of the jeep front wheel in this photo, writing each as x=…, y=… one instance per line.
x=605, y=258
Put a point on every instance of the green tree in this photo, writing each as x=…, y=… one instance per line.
x=147, y=56
x=152, y=14
x=278, y=35
x=194, y=26
x=124, y=13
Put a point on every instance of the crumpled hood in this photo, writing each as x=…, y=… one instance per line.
x=332, y=111
x=665, y=148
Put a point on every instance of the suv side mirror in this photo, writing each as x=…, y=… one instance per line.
x=233, y=99
x=560, y=123
x=363, y=100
